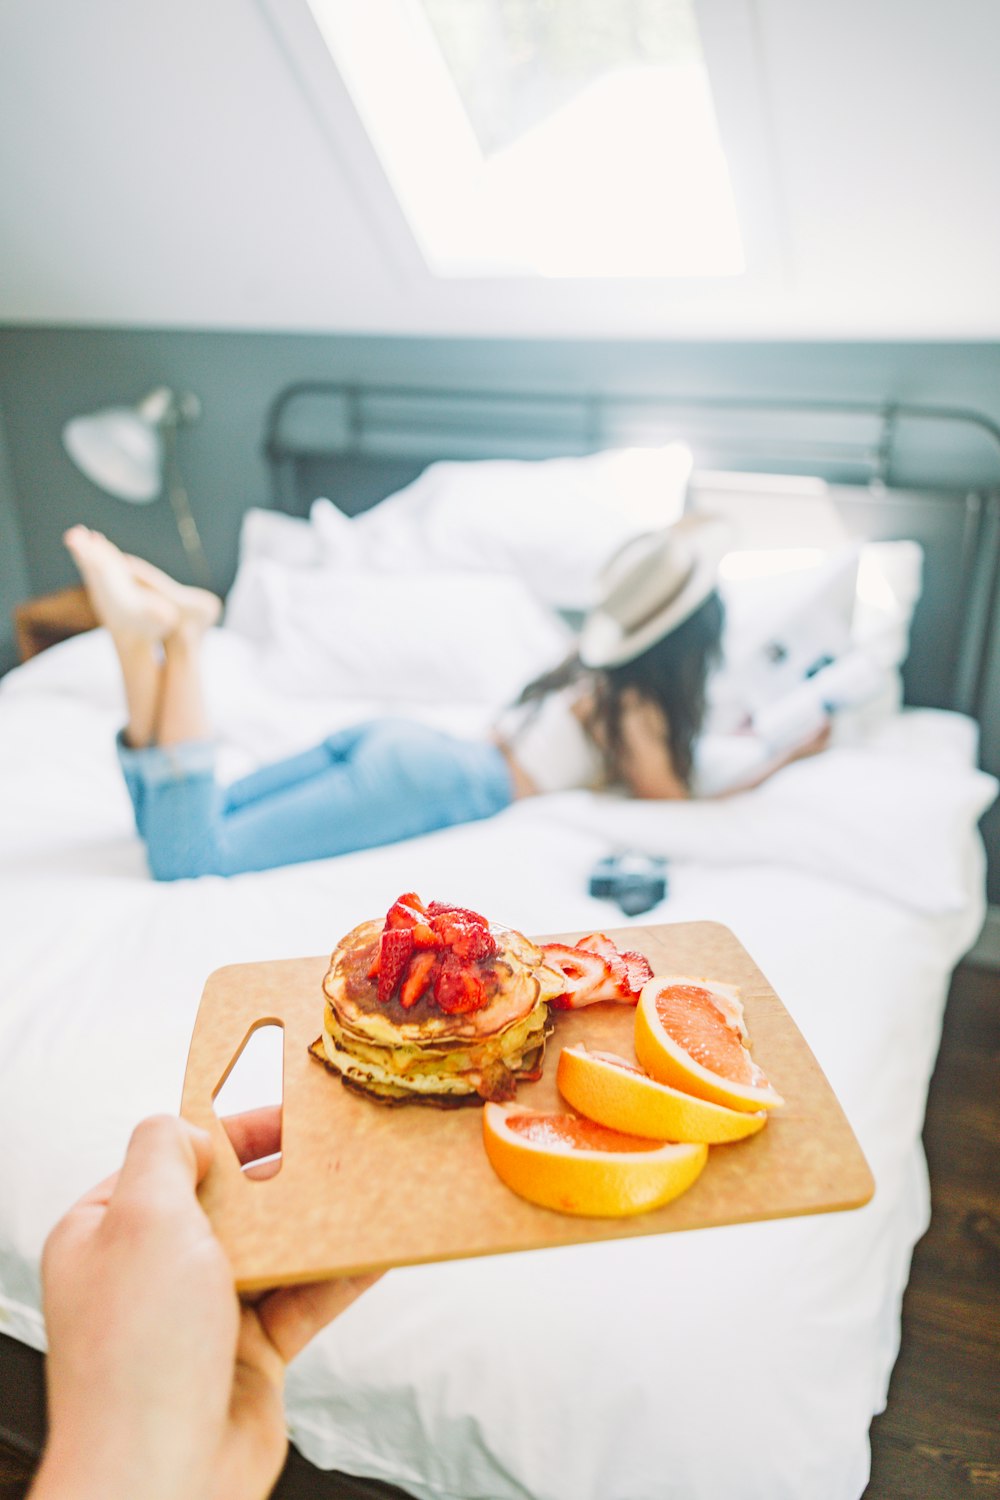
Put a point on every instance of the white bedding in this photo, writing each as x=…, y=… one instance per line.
x=746, y=1361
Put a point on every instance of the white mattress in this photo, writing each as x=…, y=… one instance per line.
x=744, y=1361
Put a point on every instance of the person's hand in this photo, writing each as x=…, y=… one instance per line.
x=162, y=1385
x=816, y=742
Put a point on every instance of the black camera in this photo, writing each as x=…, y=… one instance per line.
x=637, y=882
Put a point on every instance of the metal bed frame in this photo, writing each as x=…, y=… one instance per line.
x=891, y=477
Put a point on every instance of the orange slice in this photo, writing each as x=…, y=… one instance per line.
x=577, y=1167
x=690, y=1035
x=615, y=1093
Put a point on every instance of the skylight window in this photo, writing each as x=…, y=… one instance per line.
x=571, y=139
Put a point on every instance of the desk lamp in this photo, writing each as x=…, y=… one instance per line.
x=131, y=452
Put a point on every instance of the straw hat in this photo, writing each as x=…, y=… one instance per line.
x=651, y=585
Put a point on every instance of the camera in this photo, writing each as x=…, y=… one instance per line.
x=637, y=882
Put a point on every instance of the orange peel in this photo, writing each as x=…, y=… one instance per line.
x=617, y=1094
x=690, y=1034
x=578, y=1167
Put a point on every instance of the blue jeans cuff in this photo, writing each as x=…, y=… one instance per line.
x=155, y=764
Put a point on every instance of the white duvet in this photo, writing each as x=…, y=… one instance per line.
x=744, y=1362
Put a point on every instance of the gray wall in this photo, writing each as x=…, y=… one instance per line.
x=50, y=374
x=14, y=585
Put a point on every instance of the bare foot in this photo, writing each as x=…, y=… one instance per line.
x=119, y=602
x=199, y=608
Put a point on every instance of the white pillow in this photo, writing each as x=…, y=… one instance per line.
x=272, y=535
x=270, y=543
x=890, y=581
x=428, y=637
x=552, y=523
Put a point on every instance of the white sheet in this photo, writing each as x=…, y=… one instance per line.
x=744, y=1361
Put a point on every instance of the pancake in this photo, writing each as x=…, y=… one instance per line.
x=418, y=1052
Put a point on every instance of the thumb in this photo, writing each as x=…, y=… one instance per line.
x=165, y=1161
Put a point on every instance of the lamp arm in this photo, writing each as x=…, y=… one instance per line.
x=187, y=527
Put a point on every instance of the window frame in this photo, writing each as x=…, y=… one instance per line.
x=730, y=46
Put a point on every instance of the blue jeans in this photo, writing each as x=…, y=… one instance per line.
x=373, y=783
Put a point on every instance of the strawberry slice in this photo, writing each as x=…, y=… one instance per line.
x=587, y=976
x=406, y=911
x=639, y=969
x=599, y=942
x=466, y=939
x=442, y=908
x=395, y=948
x=418, y=976
x=630, y=969
x=457, y=989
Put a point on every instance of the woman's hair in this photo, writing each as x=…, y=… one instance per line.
x=672, y=674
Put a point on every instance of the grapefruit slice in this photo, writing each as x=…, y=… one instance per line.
x=578, y=1167
x=690, y=1034
x=615, y=1093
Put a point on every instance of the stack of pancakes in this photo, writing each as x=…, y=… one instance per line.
x=422, y=1053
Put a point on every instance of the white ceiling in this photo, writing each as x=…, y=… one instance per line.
x=167, y=165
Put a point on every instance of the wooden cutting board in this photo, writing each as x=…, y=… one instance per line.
x=364, y=1187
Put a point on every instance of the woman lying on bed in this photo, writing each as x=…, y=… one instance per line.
x=625, y=710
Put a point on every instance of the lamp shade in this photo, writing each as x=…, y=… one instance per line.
x=120, y=450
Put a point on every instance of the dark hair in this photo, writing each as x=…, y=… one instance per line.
x=672, y=674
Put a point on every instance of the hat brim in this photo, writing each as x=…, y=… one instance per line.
x=603, y=640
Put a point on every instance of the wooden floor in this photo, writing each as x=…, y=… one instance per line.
x=939, y=1438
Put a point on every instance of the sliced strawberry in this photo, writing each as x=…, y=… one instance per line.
x=406, y=911
x=639, y=969
x=424, y=936
x=587, y=976
x=418, y=975
x=457, y=989
x=630, y=970
x=396, y=946
x=473, y=945
x=467, y=940
x=599, y=942
x=440, y=908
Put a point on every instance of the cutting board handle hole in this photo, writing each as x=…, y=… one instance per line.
x=248, y=1099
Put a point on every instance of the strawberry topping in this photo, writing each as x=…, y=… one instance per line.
x=466, y=938
x=433, y=950
x=394, y=954
x=458, y=989
x=418, y=977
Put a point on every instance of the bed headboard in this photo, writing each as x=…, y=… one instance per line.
x=895, y=470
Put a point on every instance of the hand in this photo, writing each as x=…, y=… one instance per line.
x=814, y=744
x=161, y=1384
x=818, y=741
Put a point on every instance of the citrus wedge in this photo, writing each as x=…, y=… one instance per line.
x=578, y=1167
x=690, y=1034
x=615, y=1093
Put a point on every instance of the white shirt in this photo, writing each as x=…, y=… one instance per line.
x=550, y=744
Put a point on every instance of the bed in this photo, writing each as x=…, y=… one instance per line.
x=746, y=1361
